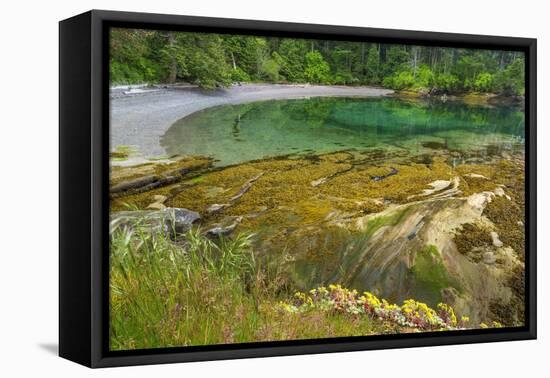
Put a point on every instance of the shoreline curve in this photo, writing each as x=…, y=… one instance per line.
x=142, y=118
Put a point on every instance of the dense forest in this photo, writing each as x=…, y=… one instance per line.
x=217, y=60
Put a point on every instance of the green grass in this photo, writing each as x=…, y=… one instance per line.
x=194, y=291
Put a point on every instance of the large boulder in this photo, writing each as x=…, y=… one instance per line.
x=171, y=220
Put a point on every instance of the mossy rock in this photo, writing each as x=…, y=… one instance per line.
x=430, y=276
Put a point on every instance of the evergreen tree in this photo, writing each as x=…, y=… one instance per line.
x=213, y=60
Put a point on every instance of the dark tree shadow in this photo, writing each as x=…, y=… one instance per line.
x=51, y=348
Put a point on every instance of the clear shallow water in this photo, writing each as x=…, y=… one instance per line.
x=238, y=133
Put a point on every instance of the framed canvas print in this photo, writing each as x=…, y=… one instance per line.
x=233, y=188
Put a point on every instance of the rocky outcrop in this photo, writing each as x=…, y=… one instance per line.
x=169, y=220
x=386, y=261
x=389, y=226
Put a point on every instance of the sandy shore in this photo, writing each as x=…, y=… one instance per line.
x=141, y=117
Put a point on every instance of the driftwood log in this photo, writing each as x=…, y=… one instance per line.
x=149, y=182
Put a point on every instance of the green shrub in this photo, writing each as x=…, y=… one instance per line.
x=399, y=81
x=446, y=82
x=239, y=75
x=425, y=78
x=270, y=70
x=317, y=69
x=484, y=82
x=345, y=78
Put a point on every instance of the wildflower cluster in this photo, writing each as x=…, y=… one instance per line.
x=411, y=314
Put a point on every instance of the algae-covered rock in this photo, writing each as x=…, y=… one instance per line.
x=395, y=225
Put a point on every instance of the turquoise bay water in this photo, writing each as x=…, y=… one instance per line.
x=238, y=133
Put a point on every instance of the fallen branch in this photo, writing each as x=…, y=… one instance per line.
x=216, y=208
x=323, y=180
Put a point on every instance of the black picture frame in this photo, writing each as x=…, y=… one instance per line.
x=84, y=192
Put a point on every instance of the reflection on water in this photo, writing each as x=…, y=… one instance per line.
x=237, y=133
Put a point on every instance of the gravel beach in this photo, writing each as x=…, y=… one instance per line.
x=139, y=117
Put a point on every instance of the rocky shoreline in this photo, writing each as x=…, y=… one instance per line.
x=396, y=225
x=473, y=98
